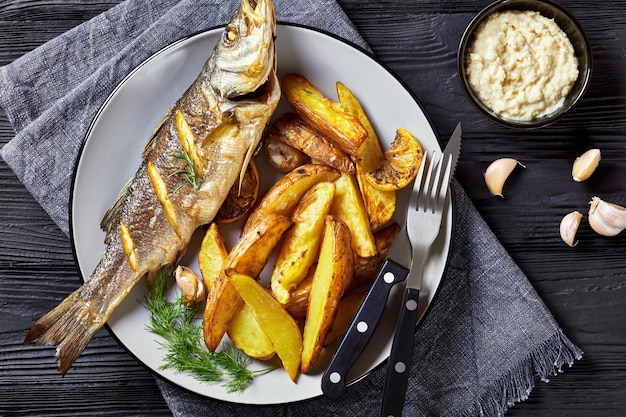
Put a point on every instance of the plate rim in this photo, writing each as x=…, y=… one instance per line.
x=155, y=55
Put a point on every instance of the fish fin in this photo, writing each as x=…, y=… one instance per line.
x=244, y=165
x=112, y=215
x=70, y=326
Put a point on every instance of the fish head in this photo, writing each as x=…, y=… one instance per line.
x=245, y=56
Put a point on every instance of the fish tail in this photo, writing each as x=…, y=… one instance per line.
x=71, y=325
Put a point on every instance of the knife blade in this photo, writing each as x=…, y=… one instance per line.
x=402, y=347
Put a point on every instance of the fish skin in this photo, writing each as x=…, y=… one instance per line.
x=227, y=122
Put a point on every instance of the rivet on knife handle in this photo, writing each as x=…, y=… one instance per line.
x=400, y=357
x=361, y=329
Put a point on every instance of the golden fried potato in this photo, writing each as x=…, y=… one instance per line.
x=248, y=336
x=332, y=275
x=400, y=165
x=241, y=196
x=299, y=301
x=248, y=256
x=346, y=311
x=222, y=304
x=301, y=243
x=348, y=206
x=380, y=205
x=283, y=156
x=212, y=256
x=291, y=129
x=366, y=269
x=243, y=330
x=252, y=250
x=277, y=324
x=323, y=114
x=285, y=194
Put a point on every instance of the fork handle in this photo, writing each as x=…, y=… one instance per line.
x=399, y=363
x=361, y=329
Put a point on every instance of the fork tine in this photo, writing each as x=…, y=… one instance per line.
x=427, y=186
x=418, y=184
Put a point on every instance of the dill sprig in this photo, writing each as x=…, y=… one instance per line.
x=175, y=322
x=188, y=173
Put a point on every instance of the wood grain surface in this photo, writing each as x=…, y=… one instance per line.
x=584, y=287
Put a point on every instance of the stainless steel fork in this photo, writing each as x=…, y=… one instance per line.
x=424, y=217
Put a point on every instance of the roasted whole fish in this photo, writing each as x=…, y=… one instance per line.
x=188, y=167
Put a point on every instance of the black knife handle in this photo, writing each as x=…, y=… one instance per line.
x=400, y=356
x=362, y=328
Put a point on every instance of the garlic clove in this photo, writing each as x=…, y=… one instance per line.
x=586, y=164
x=498, y=172
x=190, y=285
x=606, y=219
x=569, y=227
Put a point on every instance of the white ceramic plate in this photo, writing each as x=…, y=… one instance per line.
x=111, y=154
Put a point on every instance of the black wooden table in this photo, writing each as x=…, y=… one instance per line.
x=584, y=287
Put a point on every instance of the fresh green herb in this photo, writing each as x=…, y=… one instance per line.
x=182, y=338
x=189, y=174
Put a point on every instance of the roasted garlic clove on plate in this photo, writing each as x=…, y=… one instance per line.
x=606, y=219
x=586, y=164
x=569, y=227
x=498, y=172
x=190, y=285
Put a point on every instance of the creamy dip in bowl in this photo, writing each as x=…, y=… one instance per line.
x=524, y=63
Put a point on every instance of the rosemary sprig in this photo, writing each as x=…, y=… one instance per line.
x=182, y=339
x=189, y=173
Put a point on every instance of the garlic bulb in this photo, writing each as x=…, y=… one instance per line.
x=606, y=219
x=190, y=285
x=569, y=227
x=586, y=164
x=498, y=172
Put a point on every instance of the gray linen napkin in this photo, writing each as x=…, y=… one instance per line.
x=474, y=357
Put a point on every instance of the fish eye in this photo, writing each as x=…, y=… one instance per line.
x=230, y=36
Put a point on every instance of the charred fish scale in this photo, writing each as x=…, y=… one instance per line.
x=205, y=136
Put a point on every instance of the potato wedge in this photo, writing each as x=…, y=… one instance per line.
x=291, y=129
x=379, y=205
x=332, y=275
x=285, y=194
x=299, y=301
x=222, y=305
x=212, y=256
x=301, y=243
x=241, y=196
x=366, y=269
x=248, y=336
x=282, y=156
x=400, y=165
x=252, y=250
x=348, y=206
x=277, y=324
x=243, y=330
x=346, y=311
x=323, y=114
x=248, y=256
